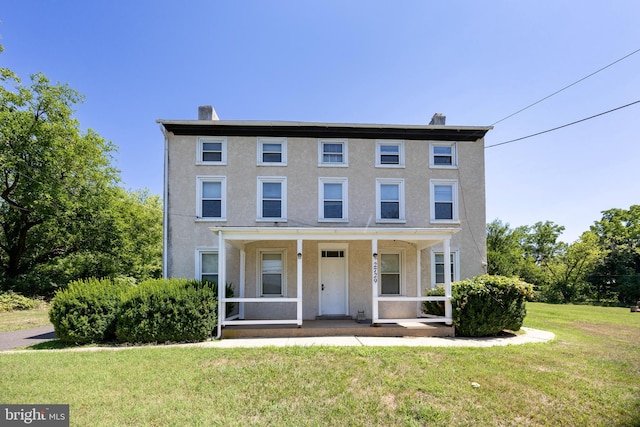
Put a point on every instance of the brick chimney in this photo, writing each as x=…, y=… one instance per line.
x=438, y=119
x=206, y=112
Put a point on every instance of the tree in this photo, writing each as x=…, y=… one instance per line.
x=618, y=271
x=504, y=252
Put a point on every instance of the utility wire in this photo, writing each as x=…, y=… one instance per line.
x=566, y=87
x=563, y=126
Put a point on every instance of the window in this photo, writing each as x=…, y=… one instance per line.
x=332, y=204
x=444, y=201
x=272, y=268
x=390, y=274
x=212, y=151
x=437, y=274
x=272, y=151
x=332, y=152
x=208, y=266
x=272, y=199
x=390, y=154
x=443, y=155
x=211, y=195
x=389, y=200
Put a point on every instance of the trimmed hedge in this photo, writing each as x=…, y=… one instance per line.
x=168, y=310
x=86, y=311
x=485, y=305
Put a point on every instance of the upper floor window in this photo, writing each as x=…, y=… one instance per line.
x=212, y=150
x=332, y=152
x=332, y=199
x=437, y=272
x=211, y=197
x=390, y=154
x=272, y=199
x=444, y=201
x=443, y=155
x=272, y=151
x=389, y=200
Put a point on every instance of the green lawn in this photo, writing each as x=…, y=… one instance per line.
x=24, y=319
x=590, y=375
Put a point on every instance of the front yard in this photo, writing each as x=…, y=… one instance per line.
x=589, y=376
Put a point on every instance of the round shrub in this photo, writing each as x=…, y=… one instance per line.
x=168, y=310
x=86, y=311
x=486, y=305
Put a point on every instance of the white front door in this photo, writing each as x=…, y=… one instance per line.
x=333, y=280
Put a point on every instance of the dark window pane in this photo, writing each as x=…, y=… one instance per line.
x=211, y=156
x=390, y=159
x=272, y=157
x=390, y=284
x=210, y=277
x=444, y=210
x=442, y=160
x=211, y=208
x=272, y=284
x=212, y=146
x=439, y=273
x=390, y=210
x=271, y=209
x=333, y=209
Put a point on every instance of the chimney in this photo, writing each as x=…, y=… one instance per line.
x=438, y=119
x=206, y=112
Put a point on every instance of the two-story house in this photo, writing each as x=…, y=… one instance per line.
x=323, y=219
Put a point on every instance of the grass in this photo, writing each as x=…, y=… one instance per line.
x=25, y=319
x=588, y=376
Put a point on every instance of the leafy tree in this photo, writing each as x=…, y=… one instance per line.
x=618, y=271
x=540, y=241
x=505, y=255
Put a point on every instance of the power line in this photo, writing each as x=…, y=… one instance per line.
x=563, y=126
x=566, y=87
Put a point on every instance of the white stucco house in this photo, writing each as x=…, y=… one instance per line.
x=310, y=220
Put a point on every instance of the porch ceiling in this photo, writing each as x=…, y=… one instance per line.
x=421, y=237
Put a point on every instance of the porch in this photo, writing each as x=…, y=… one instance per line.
x=346, y=327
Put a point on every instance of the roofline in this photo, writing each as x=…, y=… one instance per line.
x=323, y=130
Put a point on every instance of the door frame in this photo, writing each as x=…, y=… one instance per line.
x=340, y=247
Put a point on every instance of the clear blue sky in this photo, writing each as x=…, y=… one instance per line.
x=365, y=62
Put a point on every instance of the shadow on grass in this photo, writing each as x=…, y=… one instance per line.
x=52, y=345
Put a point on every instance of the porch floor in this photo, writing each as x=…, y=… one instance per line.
x=323, y=328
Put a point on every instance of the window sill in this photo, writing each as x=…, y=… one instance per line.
x=271, y=220
x=333, y=165
x=391, y=221
x=211, y=220
x=445, y=221
x=211, y=163
x=336, y=220
x=381, y=166
x=443, y=167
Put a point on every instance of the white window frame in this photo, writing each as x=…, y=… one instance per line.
x=283, y=288
x=345, y=153
x=454, y=155
x=454, y=193
x=200, y=151
x=402, y=281
x=390, y=181
x=199, y=253
x=223, y=192
x=455, y=255
x=345, y=198
x=283, y=198
x=260, y=150
x=399, y=144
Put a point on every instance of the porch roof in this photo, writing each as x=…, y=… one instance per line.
x=421, y=237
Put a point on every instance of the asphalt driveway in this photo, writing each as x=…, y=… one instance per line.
x=26, y=337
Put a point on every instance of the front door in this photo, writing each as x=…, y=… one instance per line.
x=333, y=280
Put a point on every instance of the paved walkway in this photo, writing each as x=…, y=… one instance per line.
x=20, y=339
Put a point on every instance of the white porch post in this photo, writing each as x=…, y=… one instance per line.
x=243, y=263
x=299, y=283
x=222, y=280
x=374, y=281
x=419, y=279
x=448, y=311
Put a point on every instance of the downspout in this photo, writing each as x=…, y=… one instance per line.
x=165, y=213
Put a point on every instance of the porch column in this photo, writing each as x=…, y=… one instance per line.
x=222, y=280
x=299, y=283
x=448, y=311
x=243, y=263
x=419, y=279
x=374, y=281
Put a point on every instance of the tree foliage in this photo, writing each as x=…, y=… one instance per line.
x=62, y=214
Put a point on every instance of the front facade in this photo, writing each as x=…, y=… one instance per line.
x=321, y=219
